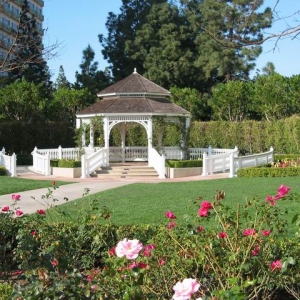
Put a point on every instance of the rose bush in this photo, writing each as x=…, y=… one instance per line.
x=222, y=254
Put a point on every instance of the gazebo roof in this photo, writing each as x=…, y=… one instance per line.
x=134, y=94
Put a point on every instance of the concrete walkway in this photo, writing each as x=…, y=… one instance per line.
x=31, y=201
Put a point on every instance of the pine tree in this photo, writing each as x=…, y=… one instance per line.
x=61, y=80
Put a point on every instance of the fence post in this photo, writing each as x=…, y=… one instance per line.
x=47, y=164
x=232, y=170
x=3, y=151
x=13, y=165
x=209, y=150
x=34, y=158
x=83, y=166
x=59, y=152
x=272, y=154
x=204, y=164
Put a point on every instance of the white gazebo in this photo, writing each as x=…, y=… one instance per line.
x=133, y=99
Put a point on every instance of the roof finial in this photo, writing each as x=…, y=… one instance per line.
x=134, y=71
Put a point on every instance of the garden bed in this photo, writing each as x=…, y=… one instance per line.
x=66, y=172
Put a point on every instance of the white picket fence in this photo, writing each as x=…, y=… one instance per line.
x=158, y=162
x=9, y=162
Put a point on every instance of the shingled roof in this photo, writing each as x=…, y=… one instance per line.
x=134, y=94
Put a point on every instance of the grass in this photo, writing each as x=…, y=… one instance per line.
x=146, y=203
x=10, y=185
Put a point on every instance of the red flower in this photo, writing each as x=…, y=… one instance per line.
x=171, y=225
x=19, y=213
x=5, y=209
x=162, y=262
x=41, y=212
x=20, y=272
x=112, y=251
x=148, y=249
x=33, y=233
x=54, y=262
x=249, y=231
x=170, y=215
x=16, y=197
x=265, y=232
x=200, y=228
x=276, y=265
x=271, y=200
x=143, y=265
x=206, y=205
x=222, y=235
x=255, y=251
x=283, y=190
x=53, y=183
x=203, y=212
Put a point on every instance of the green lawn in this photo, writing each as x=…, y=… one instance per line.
x=146, y=203
x=12, y=185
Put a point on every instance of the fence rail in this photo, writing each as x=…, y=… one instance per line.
x=9, y=162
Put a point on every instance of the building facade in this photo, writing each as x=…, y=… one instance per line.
x=9, y=21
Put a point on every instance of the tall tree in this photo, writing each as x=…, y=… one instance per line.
x=121, y=31
x=61, y=80
x=269, y=69
x=228, y=33
x=90, y=77
x=27, y=60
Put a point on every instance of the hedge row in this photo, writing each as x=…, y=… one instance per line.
x=268, y=172
x=183, y=163
x=2, y=171
x=65, y=163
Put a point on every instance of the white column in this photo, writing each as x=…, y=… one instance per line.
x=91, y=145
x=83, y=139
x=13, y=165
x=149, y=135
x=106, y=132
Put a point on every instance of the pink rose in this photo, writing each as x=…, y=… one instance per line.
x=206, y=205
x=255, y=251
x=162, y=262
x=203, y=212
x=133, y=265
x=15, y=197
x=148, y=249
x=283, y=190
x=19, y=213
x=170, y=215
x=41, y=212
x=171, y=225
x=249, y=231
x=222, y=235
x=33, y=233
x=129, y=248
x=54, y=262
x=265, y=232
x=200, y=228
x=271, y=200
x=112, y=251
x=276, y=265
x=185, y=289
x=5, y=209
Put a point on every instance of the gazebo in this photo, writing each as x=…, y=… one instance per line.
x=132, y=99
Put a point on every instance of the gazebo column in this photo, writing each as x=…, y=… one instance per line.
x=91, y=145
x=149, y=135
x=123, y=139
x=79, y=125
x=184, y=138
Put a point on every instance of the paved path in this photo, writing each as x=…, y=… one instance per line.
x=32, y=200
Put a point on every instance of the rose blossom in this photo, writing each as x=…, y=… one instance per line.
x=41, y=212
x=200, y=228
x=249, y=231
x=112, y=251
x=271, y=200
x=15, y=197
x=129, y=248
x=255, y=251
x=19, y=213
x=276, y=265
x=54, y=262
x=170, y=215
x=203, y=212
x=222, y=235
x=184, y=290
x=265, y=232
x=283, y=190
x=171, y=225
x=5, y=209
x=148, y=249
x=206, y=205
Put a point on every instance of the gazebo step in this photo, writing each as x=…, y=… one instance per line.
x=126, y=171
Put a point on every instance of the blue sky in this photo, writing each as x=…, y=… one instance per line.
x=76, y=24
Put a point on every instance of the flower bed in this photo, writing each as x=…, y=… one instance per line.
x=246, y=255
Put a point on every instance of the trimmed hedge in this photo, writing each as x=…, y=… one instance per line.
x=183, y=163
x=54, y=163
x=65, y=163
x=3, y=171
x=268, y=172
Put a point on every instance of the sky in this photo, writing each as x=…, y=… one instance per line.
x=75, y=24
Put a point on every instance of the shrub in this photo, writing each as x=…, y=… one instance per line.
x=54, y=163
x=268, y=172
x=65, y=163
x=183, y=163
x=3, y=171
x=282, y=157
